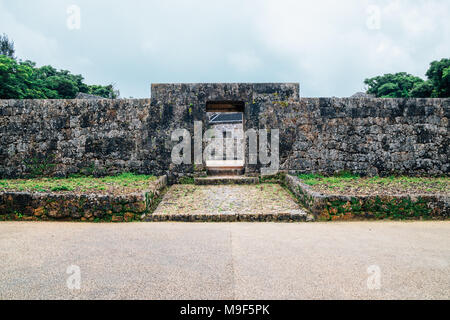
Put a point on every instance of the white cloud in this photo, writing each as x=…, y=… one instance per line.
x=333, y=50
x=29, y=43
x=244, y=61
x=325, y=45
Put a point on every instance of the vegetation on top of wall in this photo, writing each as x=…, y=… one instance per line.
x=405, y=85
x=347, y=183
x=123, y=183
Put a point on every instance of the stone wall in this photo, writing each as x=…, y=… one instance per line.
x=92, y=136
x=364, y=135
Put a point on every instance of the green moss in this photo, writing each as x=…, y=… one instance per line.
x=346, y=175
x=306, y=200
x=156, y=201
x=186, y=180
x=281, y=103
x=39, y=166
x=59, y=188
x=276, y=178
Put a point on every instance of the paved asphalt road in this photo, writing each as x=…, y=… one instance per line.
x=226, y=261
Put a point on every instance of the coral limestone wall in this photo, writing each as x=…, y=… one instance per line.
x=368, y=136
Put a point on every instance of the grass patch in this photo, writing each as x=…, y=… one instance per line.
x=347, y=183
x=186, y=180
x=125, y=182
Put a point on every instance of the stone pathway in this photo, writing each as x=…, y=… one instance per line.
x=265, y=202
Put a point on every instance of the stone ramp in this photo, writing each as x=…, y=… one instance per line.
x=228, y=203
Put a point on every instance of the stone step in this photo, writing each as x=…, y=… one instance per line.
x=218, y=180
x=291, y=216
x=225, y=171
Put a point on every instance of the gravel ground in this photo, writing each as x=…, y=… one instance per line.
x=226, y=261
x=226, y=199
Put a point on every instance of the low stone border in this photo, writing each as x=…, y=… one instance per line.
x=288, y=217
x=338, y=207
x=84, y=207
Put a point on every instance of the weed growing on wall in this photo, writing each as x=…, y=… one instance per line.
x=38, y=167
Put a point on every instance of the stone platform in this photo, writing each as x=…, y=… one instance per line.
x=332, y=207
x=85, y=206
x=228, y=203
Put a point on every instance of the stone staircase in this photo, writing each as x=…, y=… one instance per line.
x=229, y=196
x=222, y=180
x=225, y=171
x=225, y=176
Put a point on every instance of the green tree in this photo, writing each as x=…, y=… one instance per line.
x=422, y=90
x=65, y=88
x=104, y=91
x=23, y=80
x=6, y=46
x=439, y=75
x=15, y=79
x=404, y=85
x=398, y=85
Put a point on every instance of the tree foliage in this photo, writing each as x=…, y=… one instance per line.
x=423, y=89
x=398, y=85
x=405, y=85
x=6, y=46
x=23, y=80
x=439, y=76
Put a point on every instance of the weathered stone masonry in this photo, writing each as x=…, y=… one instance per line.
x=368, y=136
x=84, y=206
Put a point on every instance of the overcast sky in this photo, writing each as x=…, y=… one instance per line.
x=329, y=47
